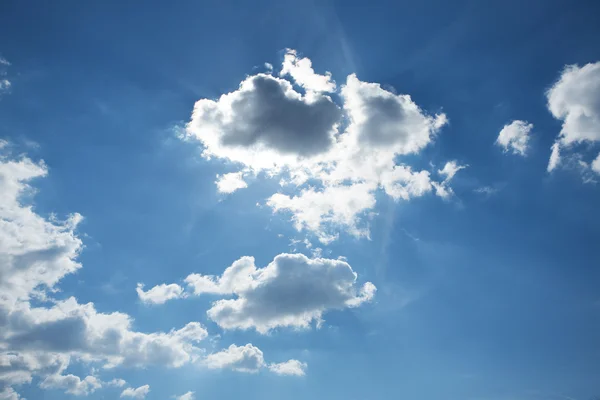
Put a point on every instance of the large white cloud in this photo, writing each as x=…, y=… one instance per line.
x=575, y=100
x=515, y=137
x=331, y=160
x=41, y=340
x=291, y=291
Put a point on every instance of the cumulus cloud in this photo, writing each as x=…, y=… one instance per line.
x=265, y=123
x=300, y=69
x=40, y=339
x=290, y=367
x=515, y=137
x=575, y=100
x=137, y=393
x=159, y=294
x=596, y=165
x=246, y=358
x=72, y=384
x=9, y=393
x=291, y=291
x=331, y=160
x=229, y=183
x=185, y=396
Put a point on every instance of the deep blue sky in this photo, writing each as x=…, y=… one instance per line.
x=482, y=297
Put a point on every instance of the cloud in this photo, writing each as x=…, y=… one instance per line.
x=575, y=100
x=246, y=358
x=300, y=69
x=291, y=291
x=290, y=367
x=138, y=393
x=159, y=294
x=596, y=165
x=40, y=339
x=186, y=396
x=229, y=183
x=330, y=160
x=72, y=384
x=450, y=169
x=265, y=123
x=9, y=393
x=515, y=137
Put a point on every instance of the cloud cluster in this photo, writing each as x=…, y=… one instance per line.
x=250, y=359
x=515, y=137
x=39, y=335
x=291, y=291
x=575, y=100
x=330, y=159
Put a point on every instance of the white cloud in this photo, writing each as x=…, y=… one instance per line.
x=515, y=137
x=138, y=393
x=72, y=384
x=117, y=382
x=450, y=169
x=300, y=69
x=186, y=396
x=41, y=340
x=4, y=85
x=575, y=100
x=229, y=183
x=290, y=367
x=246, y=358
x=9, y=393
x=292, y=291
x=266, y=126
x=596, y=165
x=159, y=294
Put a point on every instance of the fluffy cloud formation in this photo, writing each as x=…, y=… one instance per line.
x=229, y=183
x=185, y=396
x=292, y=291
x=330, y=160
x=238, y=358
x=72, y=384
x=290, y=367
x=515, y=137
x=42, y=339
x=575, y=100
x=265, y=123
x=300, y=69
x=250, y=359
x=137, y=393
x=159, y=294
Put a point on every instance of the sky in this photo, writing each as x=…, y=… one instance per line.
x=299, y=199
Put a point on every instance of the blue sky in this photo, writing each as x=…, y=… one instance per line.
x=437, y=245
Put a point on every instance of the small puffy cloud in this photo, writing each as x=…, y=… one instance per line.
x=159, y=294
x=575, y=100
x=246, y=358
x=72, y=384
x=332, y=160
x=185, y=396
x=292, y=291
x=450, y=169
x=117, y=382
x=290, y=367
x=137, y=393
x=300, y=69
x=515, y=137
x=4, y=85
x=229, y=183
